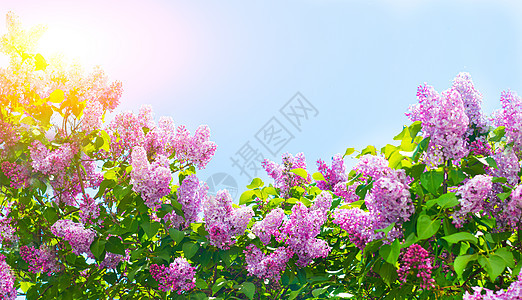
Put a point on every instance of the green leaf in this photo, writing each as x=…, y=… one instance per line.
x=431, y=181
x=448, y=200
x=426, y=227
x=98, y=248
x=415, y=128
x=493, y=264
x=247, y=288
x=256, y=182
x=461, y=237
x=151, y=228
x=300, y=172
x=497, y=134
x=461, y=262
x=190, y=249
x=388, y=273
x=503, y=196
x=176, y=235
x=114, y=245
x=320, y=291
x=387, y=229
x=507, y=256
x=57, y=96
x=421, y=147
x=201, y=284
x=368, y=150
x=220, y=282
x=348, y=151
x=391, y=252
x=317, y=176
x=25, y=285
x=246, y=197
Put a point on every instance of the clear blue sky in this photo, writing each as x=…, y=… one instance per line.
x=234, y=64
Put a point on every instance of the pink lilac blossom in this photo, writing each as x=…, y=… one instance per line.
x=513, y=292
x=302, y=227
x=89, y=211
x=510, y=116
x=126, y=130
x=417, y=258
x=8, y=136
x=444, y=120
x=92, y=116
x=283, y=178
x=333, y=175
x=51, y=162
x=347, y=192
x=76, y=234
x=472, y=100
x=266, y=266
x=160, y=140
x=17, y=174
x=473, y=195
x=111, y=260
x=7, y=281
x=480, y=147
x=178, y=276
x=358, y=224
x=372, y=166
x=41, y=260
x=198, y=149
x=7, y=231
x=222, y=221
x=269, y=226
x=152, y=181
x=507, y=165
x=190, y=194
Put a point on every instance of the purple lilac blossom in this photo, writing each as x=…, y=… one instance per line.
x=333, y=175
x=512, y=213
x=7, y=280
x=269, y=226
x=222, y=221
x=40, y=260
x=372, y=166
x=191, y=194
x=444, y=120
x=89, y=211
x=510, y=116
x=266, y=266
x=78, y=237
x=198, y=149
x=178, y=276
x=417, y=258
x=283, y=178
x=150, y=180
x=472, y=100
x=302, y=227
x=513, y=292
x=358, y=224
x=507, y=165
x=473, y=195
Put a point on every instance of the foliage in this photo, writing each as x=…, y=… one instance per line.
x=112, y=210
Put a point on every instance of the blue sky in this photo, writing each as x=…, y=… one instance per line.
x=234, y=64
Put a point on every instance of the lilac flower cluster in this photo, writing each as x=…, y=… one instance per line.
x=417, y=258
x=472, y=100
x=283, y=178
x=51, y=162
x=389, y=201
x=190, y=194
x=444, y=120
x=507, y=165
x=7, y=231
x=112, y=260
x=198, y=149
x=7, y=281
x=178, y=276
x=92, y=116
x=126, y=131
x=222, y=221
x=269, y=226
x=89, y=211
x=510, y=116
x=358, y=224
x=17, y=174
x=78, y=237
x=266, y=266
x=8, y=136
x=150, y=180
x=334, y=175
x=160, y=139
x=513, y=292
x=473, y=195
x=40, y=260
x=299, y=234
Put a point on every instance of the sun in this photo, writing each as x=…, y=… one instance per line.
x=71, y=43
